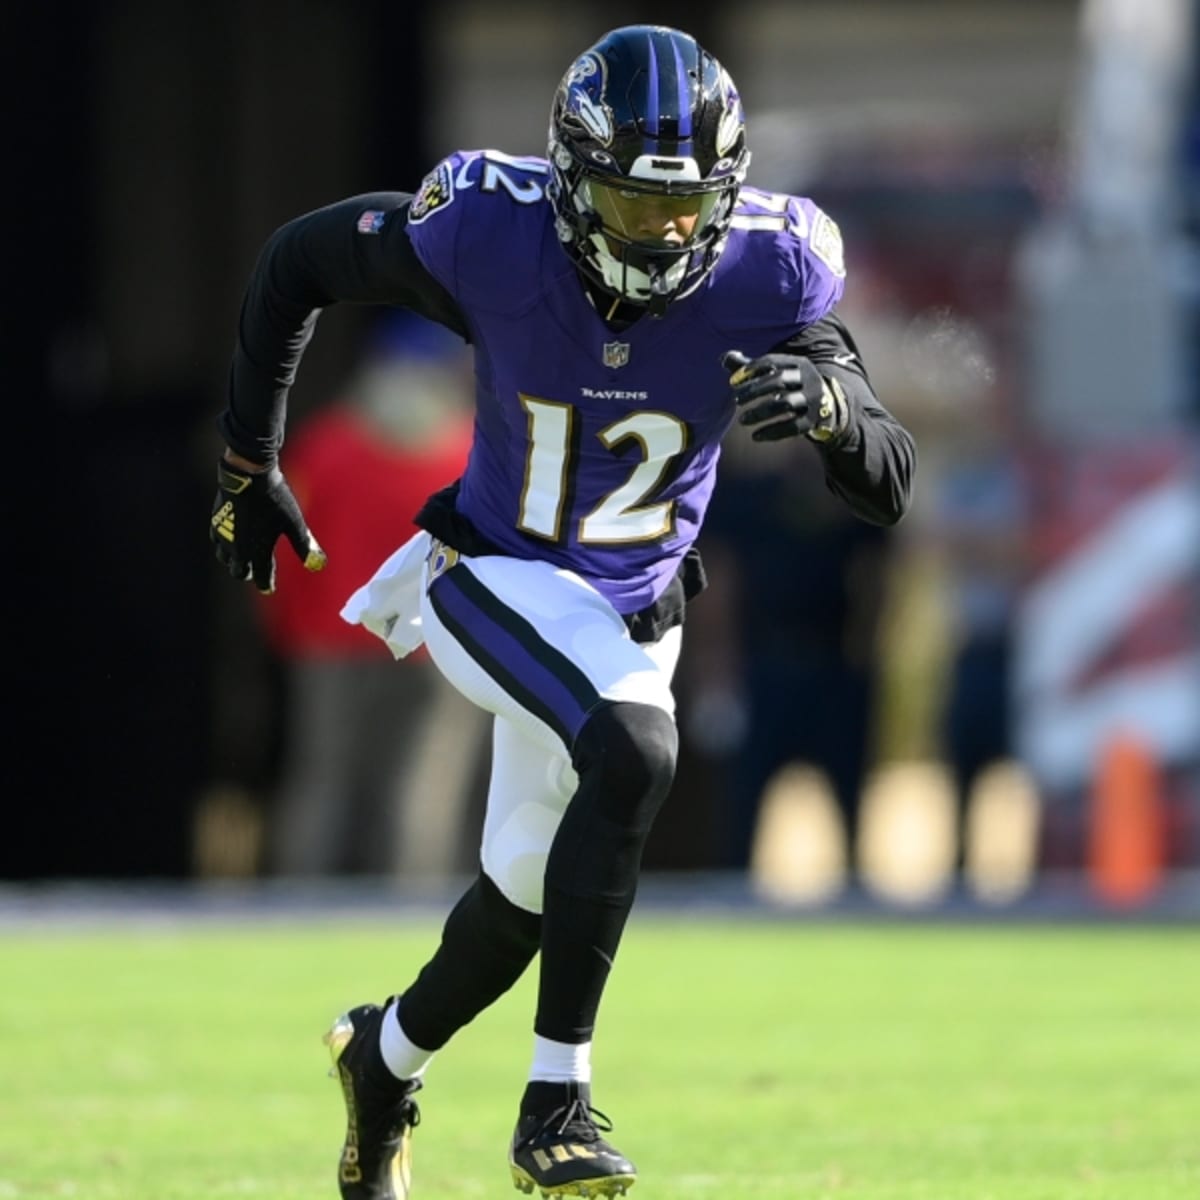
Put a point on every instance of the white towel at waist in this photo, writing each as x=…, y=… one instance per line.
x=389, y=603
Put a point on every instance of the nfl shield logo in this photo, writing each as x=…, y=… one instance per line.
x=371, y=221
x=616, y=354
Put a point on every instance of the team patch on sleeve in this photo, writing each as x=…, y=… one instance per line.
x=826, y=243
x=436, y=191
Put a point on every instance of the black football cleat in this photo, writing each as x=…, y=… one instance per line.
x=376, y=1161
x=558, y=1149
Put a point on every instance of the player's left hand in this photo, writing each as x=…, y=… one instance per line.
x=252, y=510
x=784, y=395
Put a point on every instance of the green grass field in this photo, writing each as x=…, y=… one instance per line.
x=765, y=1060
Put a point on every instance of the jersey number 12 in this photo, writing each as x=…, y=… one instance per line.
x=623, y=515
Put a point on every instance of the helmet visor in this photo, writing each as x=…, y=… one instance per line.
x=652, y=217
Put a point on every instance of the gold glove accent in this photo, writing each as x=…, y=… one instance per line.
x=231, y=481
x=832, y=412
x=222, y=521
x=316, y=558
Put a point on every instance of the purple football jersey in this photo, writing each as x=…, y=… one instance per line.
x=597, y=450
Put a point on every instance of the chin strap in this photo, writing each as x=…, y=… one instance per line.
x=657, y=303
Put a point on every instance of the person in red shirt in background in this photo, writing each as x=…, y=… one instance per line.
x=378, y=756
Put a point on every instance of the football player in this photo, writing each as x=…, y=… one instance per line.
x=627, y=298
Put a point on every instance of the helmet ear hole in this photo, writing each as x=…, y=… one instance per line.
x=645, y=108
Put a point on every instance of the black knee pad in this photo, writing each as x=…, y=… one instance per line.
x=625, y=756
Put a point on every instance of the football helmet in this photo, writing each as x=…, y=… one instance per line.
x=647, y=151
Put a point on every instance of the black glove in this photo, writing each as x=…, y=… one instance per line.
x=789, y=387
x=250, y=512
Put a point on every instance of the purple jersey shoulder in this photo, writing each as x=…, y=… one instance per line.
x=478, y=224
x=783, y=263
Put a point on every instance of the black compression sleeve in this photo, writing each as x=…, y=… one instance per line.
x=871, y=465
x=316, y=260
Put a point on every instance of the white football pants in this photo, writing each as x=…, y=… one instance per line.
x=539, y=648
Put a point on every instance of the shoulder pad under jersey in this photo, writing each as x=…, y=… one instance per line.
x=478, y=223
x=783, y=264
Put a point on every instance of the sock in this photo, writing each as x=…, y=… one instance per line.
x=561, y=1062
x=405, y=1059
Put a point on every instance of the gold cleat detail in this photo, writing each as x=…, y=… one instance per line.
x=400, y=1169
x=337, y=1039
x=586, y=1189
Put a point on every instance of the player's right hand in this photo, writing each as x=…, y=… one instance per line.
x=252, y=509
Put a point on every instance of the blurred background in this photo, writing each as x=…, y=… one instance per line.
x=1003, y=704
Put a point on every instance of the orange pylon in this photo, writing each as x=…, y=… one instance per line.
x=1126, y=829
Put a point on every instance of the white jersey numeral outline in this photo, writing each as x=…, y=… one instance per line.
x=776, y=214
x=622, y=516
x=523, y=191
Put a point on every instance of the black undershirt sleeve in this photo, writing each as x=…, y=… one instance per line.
x=314, y=261
x=870, y=466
